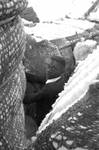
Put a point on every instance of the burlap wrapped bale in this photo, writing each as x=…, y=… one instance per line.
x=11, y=112
x=73, y=123
x=76, y=129
x=12, y=77
x=35, y=55
x=12, y=38
x=67, y=52
x=10, y=8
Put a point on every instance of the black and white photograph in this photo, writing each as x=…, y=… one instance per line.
x=49, y=74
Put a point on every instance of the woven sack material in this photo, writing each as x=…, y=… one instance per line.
x=35, y=55
x=12, y=133
x=9, y=8
x=76, y=129
x=12, y=76
x=12, y=46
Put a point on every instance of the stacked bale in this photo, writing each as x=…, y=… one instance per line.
x=12, y=77
x=66, y=51
x=73, y=123
x=35, y=54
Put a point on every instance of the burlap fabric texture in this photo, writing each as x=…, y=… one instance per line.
x=35, y=55
x=12, y=38
x=10, y=8
x=12, y=77
x=12, y=133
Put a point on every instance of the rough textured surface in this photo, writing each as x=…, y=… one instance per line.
x=73, y=121
x=30, y=126
x=67, y=53
x=11, y=112
x=83, y=48
x=9, y=8
x=12, y=77
x=35, y=55
x=76, y=128
x=12, y=45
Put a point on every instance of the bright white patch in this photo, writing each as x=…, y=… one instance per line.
x=59, y=137
x=30, y=47
x=78, y=148
x=69, y=128
x=59, y=29
x=82, y=127
x=79, y=114
x=69, y=142
x=54, y=9
x=54, y=135
x=62, y=148
x=55, y=144
x=0, y=47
